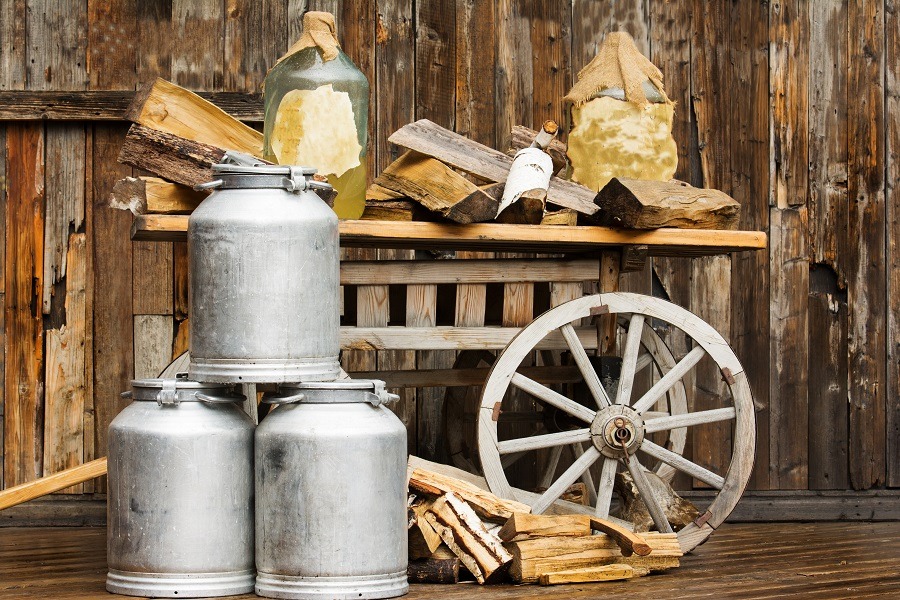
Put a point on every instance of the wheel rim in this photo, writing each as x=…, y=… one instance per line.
x=593, y=437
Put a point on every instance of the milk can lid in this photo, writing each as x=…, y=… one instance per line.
x=180, y=389
x=239, y=170
x=341, y=391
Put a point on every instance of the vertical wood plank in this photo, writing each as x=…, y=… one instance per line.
x=513, y=83
x=3, y=211
x=475, y=56
x=892, y=201
x=435, y=92
x=153, y=278
x=112, y=260
x=12, y=50
x=866, y=264
x=551, y=37
x=199, y=27
x=112, y=31
x=24, y=343
x=788, y=254
x=828, y=238
x=828, y=411
x=356, y=29
x=155, y=350
x=255, y=37
x=435, y=53
x=395, y=82
x=66, y=374
x=421, y=311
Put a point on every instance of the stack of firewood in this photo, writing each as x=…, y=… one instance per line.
x=457, y=525
x=443, y=175
x=177, y=136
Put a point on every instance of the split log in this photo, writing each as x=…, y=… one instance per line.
x=566, y=216
x=461, y=153
x=612, y=572
x=486, y=504
x=679, y=511
x=389, y=210
x=524, y=525
x=521, y=526
x=171, y=157
x=464, y=533
x=381, y=193
x=522, y=137
x=639, y=204
x=537, y=556
x=166, y=107
x=434, y=570
x=438, y=188
x=430, y=537
x=151, y=195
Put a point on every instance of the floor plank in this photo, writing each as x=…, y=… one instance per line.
x=755, y=560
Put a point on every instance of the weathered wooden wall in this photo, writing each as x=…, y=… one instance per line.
x=790, y=106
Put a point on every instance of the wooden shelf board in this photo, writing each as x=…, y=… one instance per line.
x=498, y=237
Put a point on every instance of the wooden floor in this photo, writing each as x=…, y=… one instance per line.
x=772, y=560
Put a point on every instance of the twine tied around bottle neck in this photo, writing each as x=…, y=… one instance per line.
x=618, y=64
x=319, y=32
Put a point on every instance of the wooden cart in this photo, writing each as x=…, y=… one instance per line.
x=642, y=416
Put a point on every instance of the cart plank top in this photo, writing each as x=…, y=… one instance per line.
x=497, y=237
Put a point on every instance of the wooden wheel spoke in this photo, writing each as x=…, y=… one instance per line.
x=669, y=379
x=689, y=419
x=629, y=359
x=643, y=486
x=586, y=478
x=585, y=366
x=550, y=469
x=545, y=394
x=682, y=464
x=510, y=459
x=547, y=440
x=568, y=477
x=605, y=488
x=643, y=361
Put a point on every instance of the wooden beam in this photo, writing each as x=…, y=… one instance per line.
x=52, y=483
x=497, y=237
x=108, y=105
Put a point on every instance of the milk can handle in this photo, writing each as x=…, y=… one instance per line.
x=219, y=399
x=209, y=185
x=283, y=399
x=381, y=395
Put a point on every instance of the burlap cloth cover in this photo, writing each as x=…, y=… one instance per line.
x=618, y=64
x=318, y=31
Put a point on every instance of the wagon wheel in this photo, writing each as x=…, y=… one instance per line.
x=463, y=403
x=617, y=432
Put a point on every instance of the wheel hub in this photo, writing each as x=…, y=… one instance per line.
x=617, y=430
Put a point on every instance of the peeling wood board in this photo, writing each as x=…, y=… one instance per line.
x=867, y=280
x=789, y=77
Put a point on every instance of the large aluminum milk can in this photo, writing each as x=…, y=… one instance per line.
x=264, y=278
x=180, y=503
x=331, y=494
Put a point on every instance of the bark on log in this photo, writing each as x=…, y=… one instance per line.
x=639, y=204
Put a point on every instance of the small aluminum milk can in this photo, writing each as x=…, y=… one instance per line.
x=264, y=278
x=180, y=504
x=331, y=494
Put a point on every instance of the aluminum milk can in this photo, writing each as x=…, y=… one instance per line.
x=264, y=278
x=180, y=503
x=331, y=494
